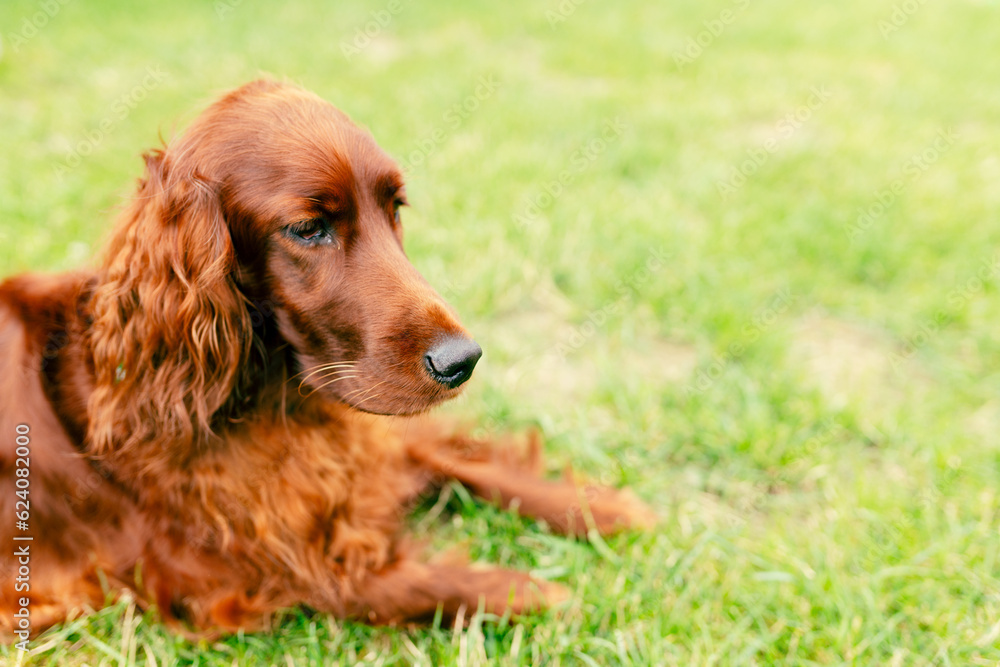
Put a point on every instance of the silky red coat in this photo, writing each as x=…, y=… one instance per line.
x=202, y=404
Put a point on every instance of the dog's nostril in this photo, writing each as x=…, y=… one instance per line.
x=450, y=361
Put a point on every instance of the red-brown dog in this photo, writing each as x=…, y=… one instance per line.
x=185, y=421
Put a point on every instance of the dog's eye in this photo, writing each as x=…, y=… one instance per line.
x=312, y=232
x=396, y=205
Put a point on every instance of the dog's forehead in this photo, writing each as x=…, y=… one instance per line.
x=367, y=159
x=330, y=133
x=299, y=135
x=305, y=152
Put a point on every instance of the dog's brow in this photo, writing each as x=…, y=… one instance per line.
x=387, y=185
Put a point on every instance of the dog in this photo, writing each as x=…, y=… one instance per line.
x=200, y=420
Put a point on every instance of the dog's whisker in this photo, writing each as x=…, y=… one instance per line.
x=346, y=377
x=334, y=373
x=346, y=368
x=337, y=371
x=334, y=380
x=324, y=367
x=366, y=398
x=319, y=367
x=366, y=390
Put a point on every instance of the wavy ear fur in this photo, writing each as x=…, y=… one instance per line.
x=171, y=329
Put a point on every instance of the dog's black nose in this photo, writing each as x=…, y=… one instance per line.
x=450, y=361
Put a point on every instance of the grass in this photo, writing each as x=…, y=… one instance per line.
x=767, y=302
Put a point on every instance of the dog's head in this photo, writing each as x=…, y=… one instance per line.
x=274, y=204
x=313, y=207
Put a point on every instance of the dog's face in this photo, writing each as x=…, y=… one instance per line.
x=313, y=209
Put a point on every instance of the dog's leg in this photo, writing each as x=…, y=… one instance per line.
x=409, y=591
x=500, y=473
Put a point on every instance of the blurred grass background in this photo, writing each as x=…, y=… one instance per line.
x=740, y=256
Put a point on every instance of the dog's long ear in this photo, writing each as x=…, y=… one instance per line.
x=170, y=328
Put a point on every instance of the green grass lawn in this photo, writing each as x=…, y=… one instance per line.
x=743, y=257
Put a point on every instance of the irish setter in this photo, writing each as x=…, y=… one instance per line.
x=193, y=419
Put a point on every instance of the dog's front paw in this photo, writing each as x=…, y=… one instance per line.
x=610, y=511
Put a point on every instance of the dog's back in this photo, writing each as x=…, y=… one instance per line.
x=69, y=520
